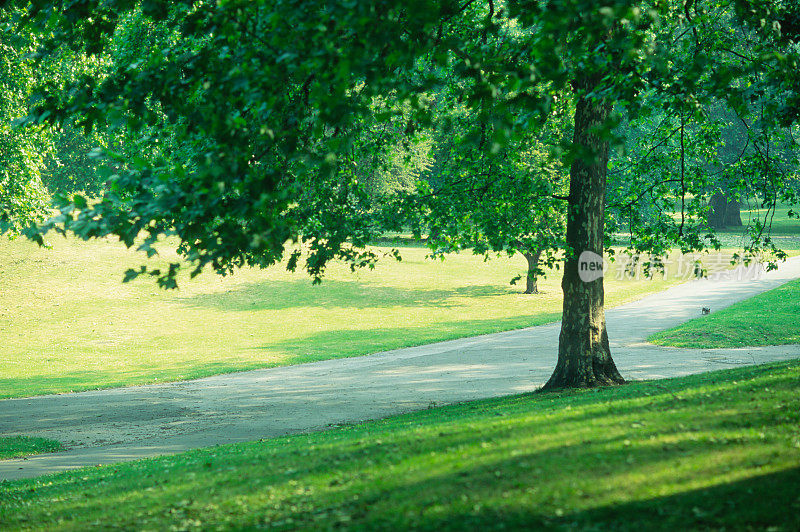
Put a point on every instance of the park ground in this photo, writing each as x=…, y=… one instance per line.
x=712, y=451
x=717, y=451
x=77, y=327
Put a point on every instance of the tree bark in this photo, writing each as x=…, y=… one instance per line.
x=733, y=216
x=724, y=211
x=584, y=356
x=533, y=263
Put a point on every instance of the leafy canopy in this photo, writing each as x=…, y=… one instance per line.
x=247, y=121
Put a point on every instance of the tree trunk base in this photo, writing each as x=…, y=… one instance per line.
x=592, y=375
x=583, y=364
x=584, y=355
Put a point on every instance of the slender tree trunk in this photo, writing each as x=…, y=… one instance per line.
x=533, y=263
x=584, y=356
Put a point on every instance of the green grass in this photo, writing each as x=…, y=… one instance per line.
x=16, y=446
x=778, y=222
x=713, y=451
x=784, y=231
x=70, y=324
x=771, y=318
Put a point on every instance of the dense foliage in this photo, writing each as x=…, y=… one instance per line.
x=22, y=193
x=240, y=126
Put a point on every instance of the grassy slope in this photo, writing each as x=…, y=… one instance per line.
x=68, y=323
x=16, y=446
x=707, y=451
x=771, y=318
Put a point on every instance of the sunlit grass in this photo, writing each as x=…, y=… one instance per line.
x=779, y=227
x=16, y=446
x=776, y=221
x=712, y=451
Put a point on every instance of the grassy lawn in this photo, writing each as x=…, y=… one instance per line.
x=778, y=221
x=70, y=324
x=789, y=243
x=784, y=231
x=771, y=318
x=16, y=446
x=718, y=450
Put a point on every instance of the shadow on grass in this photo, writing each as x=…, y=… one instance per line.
x=323, y=345
x=345, y=343
x=765, y=502
x=281, y=295
x=756, y=503
x=78, y=381
x=314, y=347
x=17, y=446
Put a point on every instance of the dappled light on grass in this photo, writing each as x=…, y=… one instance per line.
x=715, y=450
x=335, y=294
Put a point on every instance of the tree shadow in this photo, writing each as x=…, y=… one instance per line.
x=282, y=295
x=467, y=496
x=765, y=502
x=769, y=501
x=81, y=381
x=342, y=343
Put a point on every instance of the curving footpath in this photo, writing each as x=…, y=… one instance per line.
x=108, y=426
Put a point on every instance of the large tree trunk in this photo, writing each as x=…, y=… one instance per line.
x=724, y=211
x=584, y=357
x=533, y=264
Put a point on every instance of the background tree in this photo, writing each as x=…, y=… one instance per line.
x=488, y=197
x=701, y=147
x=23, y=197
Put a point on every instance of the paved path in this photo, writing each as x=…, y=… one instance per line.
x=129, y=423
